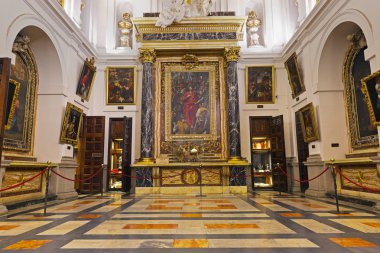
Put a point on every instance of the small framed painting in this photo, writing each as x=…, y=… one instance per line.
x=259, y=84
x=121, y=85
x=71, y=124
x=371, y=91
x=86, y=79
x=308, y=123
x=294, y=76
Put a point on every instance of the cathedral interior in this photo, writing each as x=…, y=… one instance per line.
x=190, y=126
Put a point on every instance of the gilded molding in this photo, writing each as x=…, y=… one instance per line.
x=147, y=55
x=231, y=54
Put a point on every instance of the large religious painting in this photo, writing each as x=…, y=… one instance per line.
x=259, y=84
x=363, y=134
x=189, y=108
x=121, y=86
x=86, y=79
x=294, y=76
x=371, y=91
x=18, y=135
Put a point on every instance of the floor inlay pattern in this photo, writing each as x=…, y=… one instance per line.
x=220, y=223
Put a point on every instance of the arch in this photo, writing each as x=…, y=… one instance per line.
x=53, y=76
x=350, y=15
x=27, y=20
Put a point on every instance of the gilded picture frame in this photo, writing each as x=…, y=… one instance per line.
x=12, y=103
x=184, y=103
x=121, y=85
x=86, y=79
x=294, y=76
x=309, y=123
x=371, y=91
x=259, y=84
x=71, y=124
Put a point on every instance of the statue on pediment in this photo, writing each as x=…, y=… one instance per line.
x=178, y=9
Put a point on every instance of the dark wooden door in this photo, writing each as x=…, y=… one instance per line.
x=302, y=153
x=93, y=153
x=5, y=64
x=126, y=158
x=280, y=181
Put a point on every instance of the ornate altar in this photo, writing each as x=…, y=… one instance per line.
x=190, y=114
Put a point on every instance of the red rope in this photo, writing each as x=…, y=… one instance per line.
x=303, y=181
x=359, y=185
x=79, y=180
x=23, y=182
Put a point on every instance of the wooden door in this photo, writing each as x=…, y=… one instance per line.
x=126, y=158
x=5, y=64
x=302, y=153
x=93, y=153
x=280, y=181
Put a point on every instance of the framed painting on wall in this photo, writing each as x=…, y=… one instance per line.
x=259, y=84
x=71, y=124
x=294, y=76
x=371, y=91
x=121, y=86
x=12, y=105
x=308, y=123
x=86, y=79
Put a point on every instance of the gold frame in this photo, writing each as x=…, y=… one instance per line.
x=220, y=92
x=273, y=83
x=13, y=104
x=26, y=144
x=89, y=63
x=367, y=96
x=315, y=135
x=356, y=141
x=134, y=83
x=61, y=3
x=168, y=96
x=292, y=85
x=63, y=138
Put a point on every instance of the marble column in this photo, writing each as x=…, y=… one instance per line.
x=147, y=56
x=232, y=55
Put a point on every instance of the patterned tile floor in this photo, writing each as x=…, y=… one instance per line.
x=215, y=223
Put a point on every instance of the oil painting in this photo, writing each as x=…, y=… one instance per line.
x=308, y=123
x=86, y=79
x=121, y=86
x=71, y=125
x=294, y=76
x=259, y=84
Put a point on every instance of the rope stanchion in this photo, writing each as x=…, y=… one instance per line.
x=303, y=181
x=79, y=180
x=23, y=182
x=358, y=185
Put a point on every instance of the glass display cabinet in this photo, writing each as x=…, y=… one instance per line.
x=262, y=164
x=116, y=164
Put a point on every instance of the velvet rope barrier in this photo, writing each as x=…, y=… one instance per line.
x=358, y=185
x=79, y=180
x=23, y=182
x=303, y=181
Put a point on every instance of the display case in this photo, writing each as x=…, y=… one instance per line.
x=261, y=162
x=116, y=160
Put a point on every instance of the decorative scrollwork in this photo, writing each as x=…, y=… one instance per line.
x=190, y=61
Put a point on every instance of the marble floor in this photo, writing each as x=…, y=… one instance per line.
x=214, y=223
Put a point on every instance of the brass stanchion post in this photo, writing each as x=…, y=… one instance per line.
x=47, y=185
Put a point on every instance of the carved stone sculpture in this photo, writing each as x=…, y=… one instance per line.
x=179, y=9
x=253, y=25
x=125, y=26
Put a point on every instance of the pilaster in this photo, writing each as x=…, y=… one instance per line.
x=65, y=188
